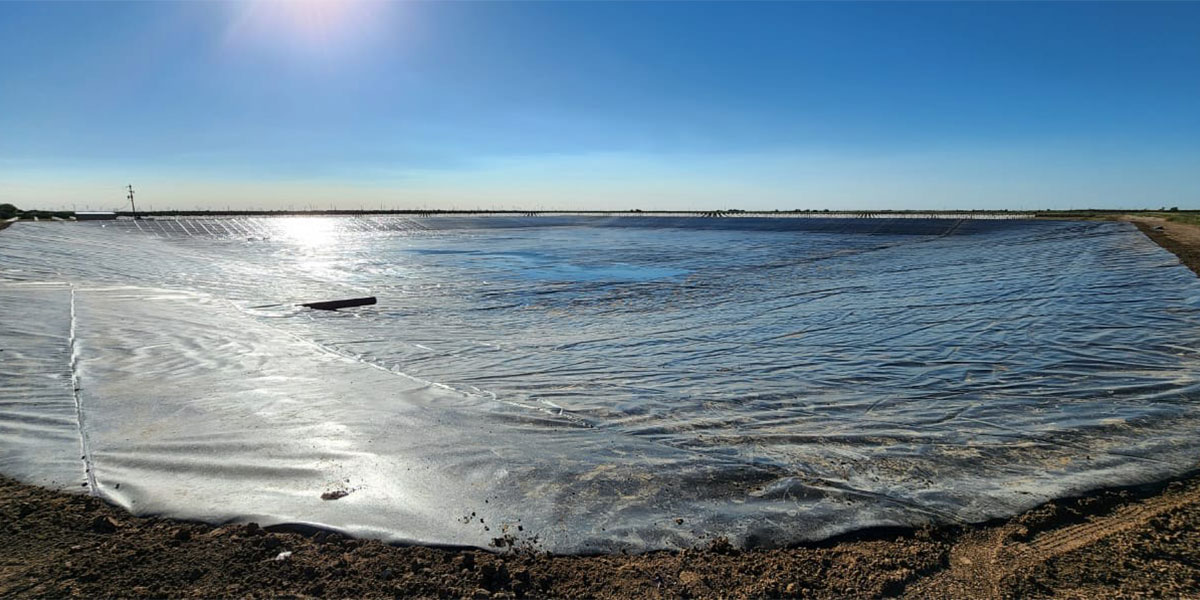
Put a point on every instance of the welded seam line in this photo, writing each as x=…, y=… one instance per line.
x=83, y=440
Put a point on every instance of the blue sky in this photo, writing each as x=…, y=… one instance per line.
x=610, y=105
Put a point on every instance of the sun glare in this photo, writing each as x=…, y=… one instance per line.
x=316, y=19
x=315, y=25
x=307, y=231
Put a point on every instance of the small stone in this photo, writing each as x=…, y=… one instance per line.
x=105, y=524
x=791, y=588
x=251, y=529
x=481, y=594
x=335, y=494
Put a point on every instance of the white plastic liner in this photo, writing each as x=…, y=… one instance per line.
x=585, y=385
x=39, y=428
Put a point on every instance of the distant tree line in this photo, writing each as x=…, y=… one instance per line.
x=8, y=211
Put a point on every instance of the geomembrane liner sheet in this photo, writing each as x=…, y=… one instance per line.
x=587, y=384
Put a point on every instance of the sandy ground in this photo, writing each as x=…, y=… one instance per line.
x=1135, y=542
x=1183, y=240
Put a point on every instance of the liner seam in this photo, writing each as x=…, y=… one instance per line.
x=84, y=446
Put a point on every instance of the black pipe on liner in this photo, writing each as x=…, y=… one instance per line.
x=336, y=304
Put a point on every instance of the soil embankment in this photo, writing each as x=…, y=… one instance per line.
x=1112, y=544
x=1181, y=239
x=1117, y=543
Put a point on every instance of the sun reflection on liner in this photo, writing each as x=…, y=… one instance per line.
x=309, y=232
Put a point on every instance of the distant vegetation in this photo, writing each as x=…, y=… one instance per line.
x=8, y=211
x=1190, y=217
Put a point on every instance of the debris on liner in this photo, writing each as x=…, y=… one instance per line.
x=336, y=304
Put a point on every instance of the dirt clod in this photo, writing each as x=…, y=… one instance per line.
x=105, y=524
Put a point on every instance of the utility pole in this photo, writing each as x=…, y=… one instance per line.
x=131, y=204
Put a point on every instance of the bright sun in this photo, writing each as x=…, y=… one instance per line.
x=298, y=24
x=317, y=19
